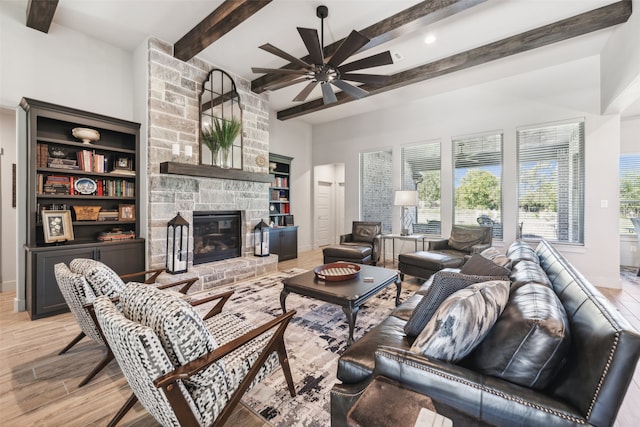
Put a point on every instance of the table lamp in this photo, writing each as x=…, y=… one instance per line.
x=406, y=199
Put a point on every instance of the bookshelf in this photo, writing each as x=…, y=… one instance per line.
x=283, y=236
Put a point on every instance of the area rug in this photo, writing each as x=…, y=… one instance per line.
x=315, y=338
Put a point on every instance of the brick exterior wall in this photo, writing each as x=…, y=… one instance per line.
x=173, y=103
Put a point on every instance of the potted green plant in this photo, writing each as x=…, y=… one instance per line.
x=210, y=141
x=225, y=132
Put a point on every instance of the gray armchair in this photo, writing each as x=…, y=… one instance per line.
x=361, y=246
x=464, y=241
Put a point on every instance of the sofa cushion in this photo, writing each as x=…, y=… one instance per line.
x=494, y=255
x=464, y=238
x=521, y=251
x=529, y=341
x=181, y=330
x=444, y=284
x=481, y=266
x=462, y=321
x=528, y=272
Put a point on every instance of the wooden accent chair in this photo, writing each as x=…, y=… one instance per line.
x=185, y=370
x=83, y=282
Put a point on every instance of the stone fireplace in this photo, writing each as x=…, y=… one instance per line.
x=189, y=188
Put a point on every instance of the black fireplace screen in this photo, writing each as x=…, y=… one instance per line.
x=216, y=236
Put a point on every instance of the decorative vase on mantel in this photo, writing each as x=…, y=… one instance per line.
x=210, y=141
x=225, y=159
x=226, y=131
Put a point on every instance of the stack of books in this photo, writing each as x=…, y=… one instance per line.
x=56, y=184
x=108, y=215
x=63, y=163
x=116, y=235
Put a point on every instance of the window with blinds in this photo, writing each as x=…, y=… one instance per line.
x=421, y=172
x=629, y=192
x=551, y=181
x=478, y=180
x=376, y=191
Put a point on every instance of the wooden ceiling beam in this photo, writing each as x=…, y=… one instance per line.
x=417, y=16
x=598, y=19
x=225, y=18
x=40, y=14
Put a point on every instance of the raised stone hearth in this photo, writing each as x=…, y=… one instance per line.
x=178, y=185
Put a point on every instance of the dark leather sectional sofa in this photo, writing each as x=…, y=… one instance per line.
x=587, y=390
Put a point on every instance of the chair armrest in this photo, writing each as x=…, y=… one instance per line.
x=223, y=297
x=346, y=238
x=435, y=245
x=483, y=397
x=376, y=248
x=183, y=290
x=476, y=249
x=155, y=272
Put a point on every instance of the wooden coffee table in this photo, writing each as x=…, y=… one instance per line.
x=349, y=294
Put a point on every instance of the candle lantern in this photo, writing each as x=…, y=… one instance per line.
x=261, y=239
x=177, y=245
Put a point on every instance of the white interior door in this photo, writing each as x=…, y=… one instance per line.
x=340, y=228
x=324, y=213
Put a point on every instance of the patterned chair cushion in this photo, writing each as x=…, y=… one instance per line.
x=462, y=321
x=142, y=359
x=481, y=266
x=102, y=279
x=444, y=284
x=494, y=255
x=77, y=292
x=181, y=330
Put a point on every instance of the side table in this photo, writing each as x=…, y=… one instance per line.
x=412, y=237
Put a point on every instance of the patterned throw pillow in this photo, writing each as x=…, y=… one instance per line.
x=443, y=285
x=181, y=330
x=481, y=266
x=102, y=279
x=494, y=255
x=462, y=321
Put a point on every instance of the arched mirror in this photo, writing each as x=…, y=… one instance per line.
x=220, y=122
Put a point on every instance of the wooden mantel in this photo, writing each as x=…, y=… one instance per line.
x=204, y=171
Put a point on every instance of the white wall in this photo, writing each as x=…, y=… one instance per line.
x=293, y=139
x=530, y=98
x=630, y=143
x=8, y=218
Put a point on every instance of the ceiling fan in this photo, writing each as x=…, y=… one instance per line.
x=328, y=71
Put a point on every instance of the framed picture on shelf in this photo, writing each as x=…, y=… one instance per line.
x=122, y=163
x=57, y=226
x=126, y=213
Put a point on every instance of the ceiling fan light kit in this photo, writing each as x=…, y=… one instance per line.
x=327, y=71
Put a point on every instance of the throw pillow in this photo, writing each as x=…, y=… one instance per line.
x=528, y=272
x=443, y=285
x=181, y=330
x=462, y=321
x=529, y=342
x=482, y=266
x=494, y=255
x=520, y=251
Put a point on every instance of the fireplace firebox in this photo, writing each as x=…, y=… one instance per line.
x=216, y=235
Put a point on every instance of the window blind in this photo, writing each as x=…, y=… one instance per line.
x=421, y=172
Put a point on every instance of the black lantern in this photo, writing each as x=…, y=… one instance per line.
x=261, y=239
x=177, y=245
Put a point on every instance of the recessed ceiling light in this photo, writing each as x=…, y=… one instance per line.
x=429, y=39
x=397, y=56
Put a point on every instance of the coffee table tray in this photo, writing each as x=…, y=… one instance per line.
x=337, y=271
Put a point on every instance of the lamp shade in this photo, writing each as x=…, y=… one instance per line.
x=406, y=198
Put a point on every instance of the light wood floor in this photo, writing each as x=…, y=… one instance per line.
x=40, y=388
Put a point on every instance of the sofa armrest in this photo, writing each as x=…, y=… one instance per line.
x=476, y=249
x=483, y=397
x=435, y=245
x=346, y=238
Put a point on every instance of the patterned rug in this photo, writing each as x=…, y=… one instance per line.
x=315, y=338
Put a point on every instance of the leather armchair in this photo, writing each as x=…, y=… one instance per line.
x=361, y=246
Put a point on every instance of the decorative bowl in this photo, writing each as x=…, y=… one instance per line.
x=86, y=135
x=337, y=271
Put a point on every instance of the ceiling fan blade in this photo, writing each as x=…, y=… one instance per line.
x=349, y=46
x=328, y=96
x=374, y=79
x=312, y=42
x=383, y=58
x=304, y=93
x=259, y=70
x=353, y=91
x=280, y=85
x=284, y=55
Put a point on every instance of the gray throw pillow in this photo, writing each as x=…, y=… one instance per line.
x=443, y=285
x=494, y=255
x=530, y=340
x=462, y=321
x=481, y=266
